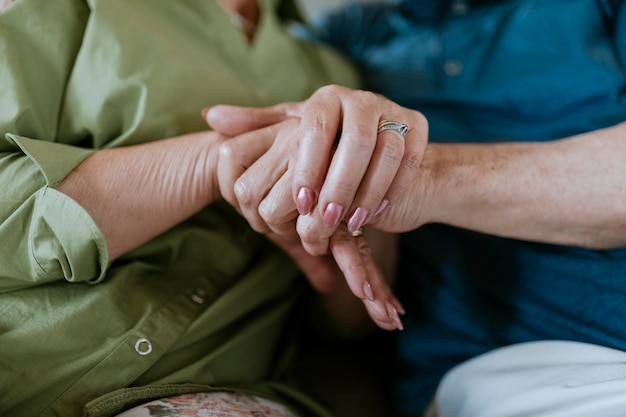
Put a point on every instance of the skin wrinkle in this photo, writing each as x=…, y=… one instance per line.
x=147, y=191
x=489, y=193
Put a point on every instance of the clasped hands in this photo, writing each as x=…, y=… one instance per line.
x=309, y=174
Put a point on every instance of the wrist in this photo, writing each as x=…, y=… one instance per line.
x=206, y=167
x=472, y=188
x=433, y=180
x=448, y=174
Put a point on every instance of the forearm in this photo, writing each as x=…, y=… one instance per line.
x=571, y=191
x=136, y=193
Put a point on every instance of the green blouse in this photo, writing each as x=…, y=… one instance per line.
x=205, y=306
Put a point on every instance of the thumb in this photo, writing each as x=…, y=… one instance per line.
x=235, y=120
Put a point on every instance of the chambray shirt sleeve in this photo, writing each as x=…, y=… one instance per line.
x=44, y=235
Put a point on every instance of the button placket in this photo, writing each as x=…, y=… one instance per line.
x=138, y=351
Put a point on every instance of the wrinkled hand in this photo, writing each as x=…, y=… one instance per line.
x=255, y=175
x=357, y=176
x=366, y=173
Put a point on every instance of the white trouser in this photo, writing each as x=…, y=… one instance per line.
x=537, y=379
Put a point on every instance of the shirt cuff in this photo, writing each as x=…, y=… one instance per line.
x=54, y=160
x=64, y=241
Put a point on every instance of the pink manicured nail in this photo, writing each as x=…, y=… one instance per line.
x=383, y=205
x=393, y=315
x=398, y=305
x=305, y=200
x=333, y=214
x=357, y=219
x=367, y=290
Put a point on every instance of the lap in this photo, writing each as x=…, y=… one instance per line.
x=210, y=404
x=537, y=379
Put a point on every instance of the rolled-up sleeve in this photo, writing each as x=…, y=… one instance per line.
x=46, y=235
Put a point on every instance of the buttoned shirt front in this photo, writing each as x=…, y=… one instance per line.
x=202, y=307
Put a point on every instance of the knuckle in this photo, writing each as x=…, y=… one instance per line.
x=268, y=212
x=421, y=120
x=309, y=236
x=331, y=89
x=366, y=97
x=227, y=151
x=244, y=193
x=312, y=241
x=369, y=101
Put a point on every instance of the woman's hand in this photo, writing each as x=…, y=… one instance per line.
x=345, y=170
x=255, y=172
x=366, y=173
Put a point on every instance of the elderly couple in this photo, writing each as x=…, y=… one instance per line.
x=487, y=171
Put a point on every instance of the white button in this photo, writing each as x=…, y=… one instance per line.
x=197, y=299
x=198, y=296
x=459, y=7
x=143, y=346
x=453, y=67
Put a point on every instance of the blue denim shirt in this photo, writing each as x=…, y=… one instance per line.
x=484, y=71
x=489, y=70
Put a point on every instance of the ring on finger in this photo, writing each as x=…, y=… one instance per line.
x=398, y=127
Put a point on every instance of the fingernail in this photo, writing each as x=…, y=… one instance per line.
x=399, y=306
x=393, y=315
x=333, y=214
x=357, y=219
x=305, y=200
x=205, y=111
x=367, y=290
x=383, y=205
